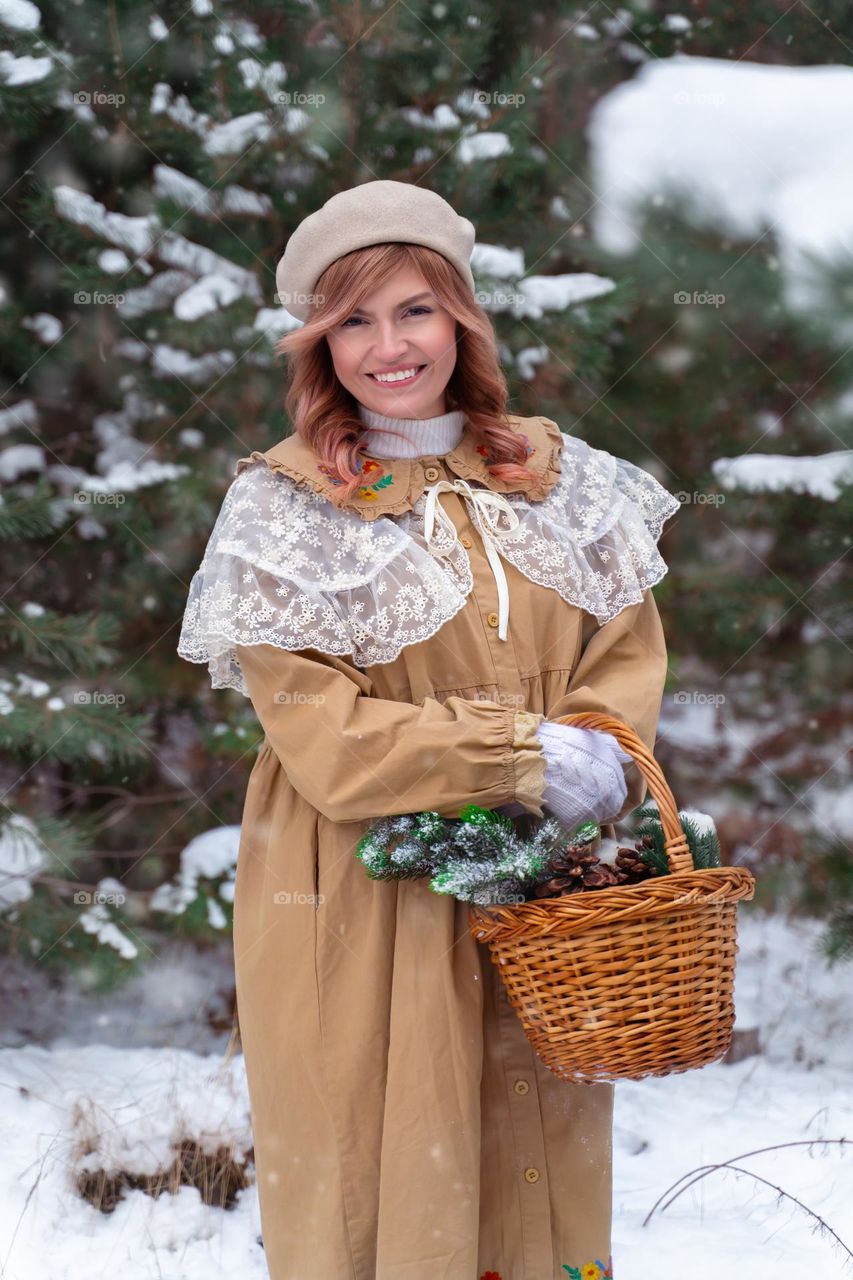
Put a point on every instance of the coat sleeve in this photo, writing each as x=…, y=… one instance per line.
x=358, y=757
x=622, y=672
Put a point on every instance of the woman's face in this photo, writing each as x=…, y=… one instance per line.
x=399, y=328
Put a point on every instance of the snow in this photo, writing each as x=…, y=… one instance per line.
x=23, y=70
x=748, y=147
x=276, y=322
x=47, y=328
x=178, y=109
x=18, y=459
x=84, y=1110
x=532, y=296
x=136, y=234
x=267, y=77
x=71, y=1107
x=482, y=146
x=555, y=293
x=497, y=261
x=236, y=135
x=158, y=293
x=528, y=360
x=157, y=28
x=189, y=193
x=98, y=921
x=20, y=15
x=239, y=201
x=172, y=362
x=191, y=437
x=209, y=855
x=820, y=476
x=798, y=1089
x=22, y=854
x=113, y=261
x=208, y=294
x=22, y=414
x=126, y=477
x=443, y=117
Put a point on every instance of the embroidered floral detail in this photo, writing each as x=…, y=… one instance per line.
x=484, y=453
x=591, y=1270
x=491, y=1275
x=366, y=466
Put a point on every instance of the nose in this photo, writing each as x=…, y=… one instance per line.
x=390, y=344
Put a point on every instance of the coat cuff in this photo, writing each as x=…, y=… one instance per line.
x=528, y=761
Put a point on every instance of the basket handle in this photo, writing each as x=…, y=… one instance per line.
x=677, y=850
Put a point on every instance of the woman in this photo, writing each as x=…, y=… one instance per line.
x=411, y=588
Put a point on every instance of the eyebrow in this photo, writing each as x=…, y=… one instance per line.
x=405, y=303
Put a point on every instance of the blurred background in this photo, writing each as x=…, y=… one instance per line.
x=663, y=200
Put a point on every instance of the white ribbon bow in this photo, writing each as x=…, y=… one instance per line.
x=488, y=507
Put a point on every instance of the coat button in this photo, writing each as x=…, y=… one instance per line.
x=432, y=473
x=521, y=1086
x=465, y=540
x=532, y=1175
x=493, y=620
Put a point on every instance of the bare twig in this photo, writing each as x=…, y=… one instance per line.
x=695, y=1175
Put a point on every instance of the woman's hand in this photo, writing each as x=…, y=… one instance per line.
x=584, y=778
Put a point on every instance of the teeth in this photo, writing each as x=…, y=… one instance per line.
x=395, y=377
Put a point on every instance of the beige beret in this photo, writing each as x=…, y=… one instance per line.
x=372, y=213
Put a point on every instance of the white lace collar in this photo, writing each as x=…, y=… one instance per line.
x=284, y=567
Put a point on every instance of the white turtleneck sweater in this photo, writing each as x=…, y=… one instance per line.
x=420, y=437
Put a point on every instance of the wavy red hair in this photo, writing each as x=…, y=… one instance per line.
x=325, y=414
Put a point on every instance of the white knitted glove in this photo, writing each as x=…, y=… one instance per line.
x=584, y=780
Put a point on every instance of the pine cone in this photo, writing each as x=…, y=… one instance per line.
x=630, y=867
x=573, y=871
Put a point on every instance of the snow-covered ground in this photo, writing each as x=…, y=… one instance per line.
x=69, y=1107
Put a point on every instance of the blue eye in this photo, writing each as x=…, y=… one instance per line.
x=423, y=310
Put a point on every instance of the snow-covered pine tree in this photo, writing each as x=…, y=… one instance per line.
x=156, y=158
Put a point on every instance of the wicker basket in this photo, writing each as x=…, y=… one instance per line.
x=627, y=981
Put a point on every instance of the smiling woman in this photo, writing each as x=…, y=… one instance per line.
x=404, y=615
x=396, y=352
x=391, y=309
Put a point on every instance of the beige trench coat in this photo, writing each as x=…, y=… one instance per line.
x=404, y=1128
